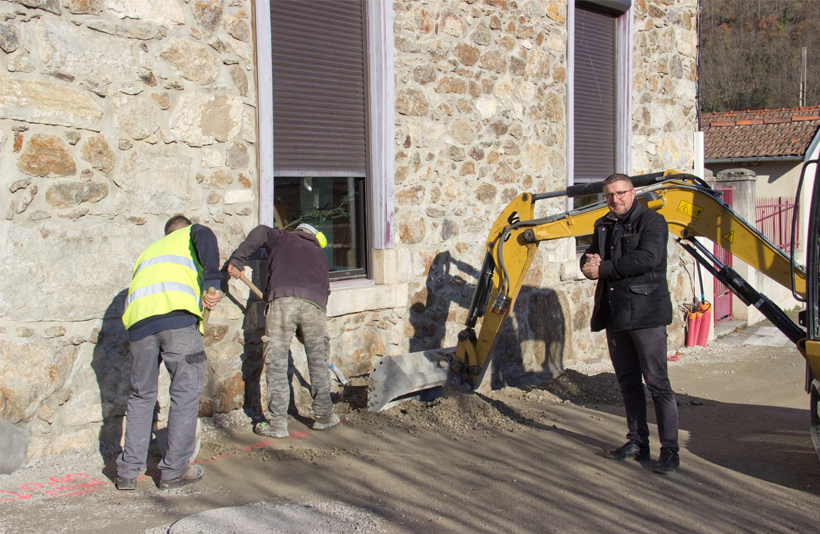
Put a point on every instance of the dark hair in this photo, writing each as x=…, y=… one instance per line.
x=175, y=223
x=612, y=178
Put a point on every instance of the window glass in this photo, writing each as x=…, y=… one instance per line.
x=334, y=206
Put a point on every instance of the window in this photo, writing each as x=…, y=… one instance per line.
x=600, y=117
x=334, y=205
x=320, y=134
x=325, y=121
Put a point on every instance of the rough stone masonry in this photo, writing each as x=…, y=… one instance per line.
x=114, y=115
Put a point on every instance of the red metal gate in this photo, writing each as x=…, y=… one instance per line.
x=773, y=218
x=723, y=297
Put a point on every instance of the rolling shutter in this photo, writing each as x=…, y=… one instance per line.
x=319, y=89
x=594, y=114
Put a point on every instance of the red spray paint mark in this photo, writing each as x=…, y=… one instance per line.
x=263, y=443
x=15, y=496
x=80, y=483
x=61, y=486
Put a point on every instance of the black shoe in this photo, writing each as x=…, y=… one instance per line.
x=193, y=474
x=668, y=462
x=631, y=449
x=124, y=484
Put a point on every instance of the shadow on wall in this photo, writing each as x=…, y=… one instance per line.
x=531, y=342
x=112, y=364
x=530, y=346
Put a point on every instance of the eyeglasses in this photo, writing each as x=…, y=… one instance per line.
x=619, y=194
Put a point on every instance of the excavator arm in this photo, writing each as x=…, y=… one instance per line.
x=692, y=210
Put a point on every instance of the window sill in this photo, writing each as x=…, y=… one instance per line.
x=345, y=284
x=356, y=296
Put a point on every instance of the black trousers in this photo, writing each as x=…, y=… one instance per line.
x=642, y=353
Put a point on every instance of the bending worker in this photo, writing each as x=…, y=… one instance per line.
x=628, y=258
x=163, y=315
x=297, y=292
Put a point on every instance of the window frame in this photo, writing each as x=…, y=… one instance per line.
x=380, y=182
x=623, y=85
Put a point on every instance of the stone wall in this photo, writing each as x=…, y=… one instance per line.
x=114, y=115
x=481, y=116
x=664, y=84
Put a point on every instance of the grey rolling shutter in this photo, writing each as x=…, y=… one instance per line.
x=319, y=112
x=594, y=115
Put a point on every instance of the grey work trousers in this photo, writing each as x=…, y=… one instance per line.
x=183, y=353
x=285, y=315
x=637, y=353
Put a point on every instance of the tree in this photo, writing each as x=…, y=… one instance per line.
x=751, y=53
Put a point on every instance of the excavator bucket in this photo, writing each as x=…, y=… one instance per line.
x=416, y=375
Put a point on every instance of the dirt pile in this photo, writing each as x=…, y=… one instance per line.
x=577, y=388
x=459, y=410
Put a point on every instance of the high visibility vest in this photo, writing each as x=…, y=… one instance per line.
x=167, y=277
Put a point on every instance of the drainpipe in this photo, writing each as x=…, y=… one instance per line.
x=697, y=83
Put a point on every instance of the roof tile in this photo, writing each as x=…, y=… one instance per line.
x=760, y=133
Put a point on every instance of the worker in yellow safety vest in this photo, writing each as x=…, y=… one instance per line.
x=164, y=318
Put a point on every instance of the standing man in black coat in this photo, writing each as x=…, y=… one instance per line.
x=628, y=258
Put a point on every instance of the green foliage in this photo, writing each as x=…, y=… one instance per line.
x=751, y=53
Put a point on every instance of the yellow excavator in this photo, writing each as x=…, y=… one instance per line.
x=692, y=210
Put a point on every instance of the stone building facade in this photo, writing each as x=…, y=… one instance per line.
x=115, y=115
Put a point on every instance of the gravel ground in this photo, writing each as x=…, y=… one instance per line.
x=517, y=460
x=264, y=518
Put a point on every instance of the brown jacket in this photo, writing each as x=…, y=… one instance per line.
x=297, y=265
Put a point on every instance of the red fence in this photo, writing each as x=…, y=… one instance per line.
x=723, y=295
x=773, y=218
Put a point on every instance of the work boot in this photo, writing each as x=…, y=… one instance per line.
x=125, y=484
x=193, y=474
x=631, y=449
x=323, y=422
x=276, y=429
x=668, y=461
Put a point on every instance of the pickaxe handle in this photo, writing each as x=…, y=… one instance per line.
x=207, y=313
x=252, y=287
